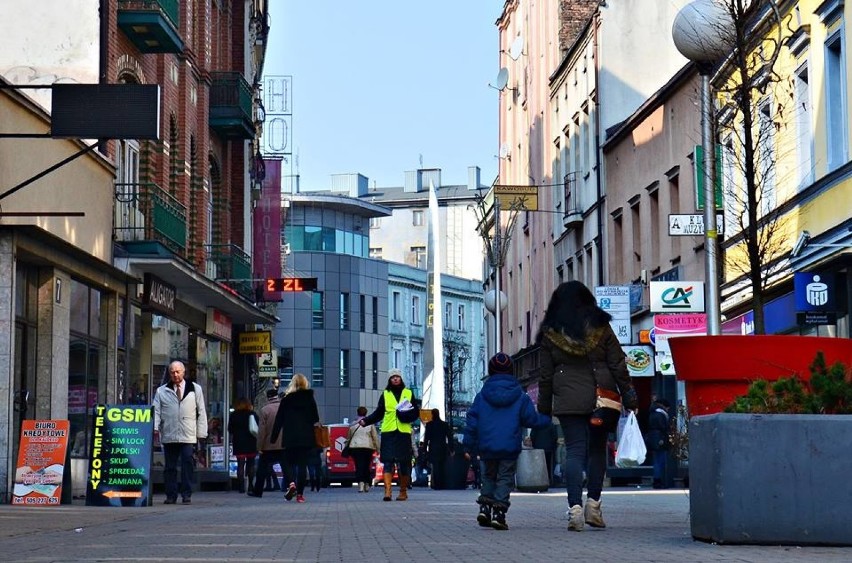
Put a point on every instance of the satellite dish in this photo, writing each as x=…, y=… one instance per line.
x=504, y=150
x=502, y=79
x=517, y=48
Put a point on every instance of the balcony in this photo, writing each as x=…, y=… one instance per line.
x=152, y=25
x=231, y=106
x=232, y=267
x=147, y=217
x=572, y=218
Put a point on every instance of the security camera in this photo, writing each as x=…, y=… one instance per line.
x=804, y=238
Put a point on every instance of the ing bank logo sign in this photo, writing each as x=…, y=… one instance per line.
x=677, y=296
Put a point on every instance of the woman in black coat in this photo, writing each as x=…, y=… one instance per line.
x=581, y=359
x=296, y=418
x=245, y=443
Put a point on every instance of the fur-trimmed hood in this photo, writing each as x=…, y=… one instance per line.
x=569, y=345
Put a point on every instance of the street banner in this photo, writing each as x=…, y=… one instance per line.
x=41, y=462
x=120, y=462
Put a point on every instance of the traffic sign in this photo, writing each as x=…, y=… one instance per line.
x=687, y=225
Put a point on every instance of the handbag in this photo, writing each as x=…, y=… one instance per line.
x=346, y=451
x=406, y=413
x=253, y=425
x=631, y=447
x=607, y=409
x=321, y=436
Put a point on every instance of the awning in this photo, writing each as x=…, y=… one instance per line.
x=199, y=291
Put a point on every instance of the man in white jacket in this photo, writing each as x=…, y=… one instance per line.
x=180, y=418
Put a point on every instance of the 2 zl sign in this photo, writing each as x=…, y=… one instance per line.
x=290, y=284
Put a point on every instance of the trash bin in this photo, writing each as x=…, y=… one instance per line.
x=532, y=476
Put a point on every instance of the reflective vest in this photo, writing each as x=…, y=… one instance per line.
x=390, y=422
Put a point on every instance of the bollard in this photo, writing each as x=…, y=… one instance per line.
x=532, y=475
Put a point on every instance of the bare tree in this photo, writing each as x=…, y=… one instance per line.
x=755, y=109
x=456, y=357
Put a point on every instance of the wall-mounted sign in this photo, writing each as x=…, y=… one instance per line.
x=291, y=284
x=683, y=225
x=120, y=462
x=815, y=291
x=639, y=360
x=677, y=297
x=41, y=462
x=257, y=342
x=615, y=300
x=158, y=296
x=678, y=324
x=218, y=324
x=267, y=364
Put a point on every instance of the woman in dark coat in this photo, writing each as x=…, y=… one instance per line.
x=245, y=443
x=581, y=358
x=297, y=416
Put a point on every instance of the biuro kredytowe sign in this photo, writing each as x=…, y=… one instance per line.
x=120, y=461
x=41, y=462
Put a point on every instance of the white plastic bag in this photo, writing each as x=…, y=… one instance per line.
x=631, y=447
x=253, y=425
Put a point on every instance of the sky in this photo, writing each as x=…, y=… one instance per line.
x=379, y=84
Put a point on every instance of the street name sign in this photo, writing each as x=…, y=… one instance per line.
x=687, y=225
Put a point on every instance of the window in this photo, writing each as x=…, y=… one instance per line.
x=415, y=309
x=417, y=217
x=636, y=230
x=654, y=197
x=804, y=133
x=375, y=315
x=733, y=195
x=285, y=365
x=363, y=313
x=397, y=358
x=362, y=358
x=344, y=311
x=317, y=368
x=618, y=243
x=416, y=358
x=766, y=157
x=376, y=252
x=128, y=214
x=835, y=101
x=397, y=306
x=344, y=368
x=418, y=256
x=317, y=320
x=375, y=370
x=448, y=315
x=375, y=222
x=460, y=325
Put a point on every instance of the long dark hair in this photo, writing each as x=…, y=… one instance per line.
x=572, y=310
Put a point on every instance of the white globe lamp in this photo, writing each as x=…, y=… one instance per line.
x=703, y=31
x=491, y=301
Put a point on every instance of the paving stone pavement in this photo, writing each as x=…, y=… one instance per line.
x=344, y=525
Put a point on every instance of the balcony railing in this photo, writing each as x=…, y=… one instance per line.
x=573, y=215
x=233, y=267
x=231, y=105
x=146, y=213
x=152, y=25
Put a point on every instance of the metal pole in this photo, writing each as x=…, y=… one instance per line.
x=710, y=234
x=498, y=259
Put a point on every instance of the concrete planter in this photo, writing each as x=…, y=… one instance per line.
x=770, y=479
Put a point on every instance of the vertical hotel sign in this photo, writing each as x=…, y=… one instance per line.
x=267, y=228
x=41, y=462
x=278, y=110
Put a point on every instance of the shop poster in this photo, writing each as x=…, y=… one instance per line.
x=120, y=462
x=41, y=462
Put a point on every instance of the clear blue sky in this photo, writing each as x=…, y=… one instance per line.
x=377, y=83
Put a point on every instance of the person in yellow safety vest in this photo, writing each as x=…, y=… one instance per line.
x=396, y=410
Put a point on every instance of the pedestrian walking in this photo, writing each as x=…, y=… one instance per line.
x=396, y=410
x=658, y=439
x=240, y=425
x=494, y=430
x=180, y=420
x=582, y=366
x=271, y=451
x=297, y=415
x=363, y=443
x=438, y=439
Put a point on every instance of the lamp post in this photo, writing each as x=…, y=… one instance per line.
x=702, y=33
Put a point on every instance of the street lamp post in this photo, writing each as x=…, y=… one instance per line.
x=701, y=33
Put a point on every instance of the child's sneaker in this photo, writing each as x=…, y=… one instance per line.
x=300, y=499
x=484, y=516
x=499, y=521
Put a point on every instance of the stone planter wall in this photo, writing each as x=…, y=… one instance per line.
x=771, y=479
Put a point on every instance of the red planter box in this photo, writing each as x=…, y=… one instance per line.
x=717, y=369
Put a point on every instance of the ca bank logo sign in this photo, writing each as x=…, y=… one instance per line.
x=677, y=297
x=815, y=291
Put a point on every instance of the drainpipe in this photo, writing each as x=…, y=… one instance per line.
x=598, y=160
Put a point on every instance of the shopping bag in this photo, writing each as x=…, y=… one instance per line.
x=631, y=447
x=321, y=436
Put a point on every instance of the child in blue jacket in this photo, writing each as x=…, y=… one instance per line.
x=500, y=412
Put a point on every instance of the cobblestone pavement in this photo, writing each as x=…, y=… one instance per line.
x=344, y=525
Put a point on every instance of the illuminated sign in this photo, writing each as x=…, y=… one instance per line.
x=291, y=284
